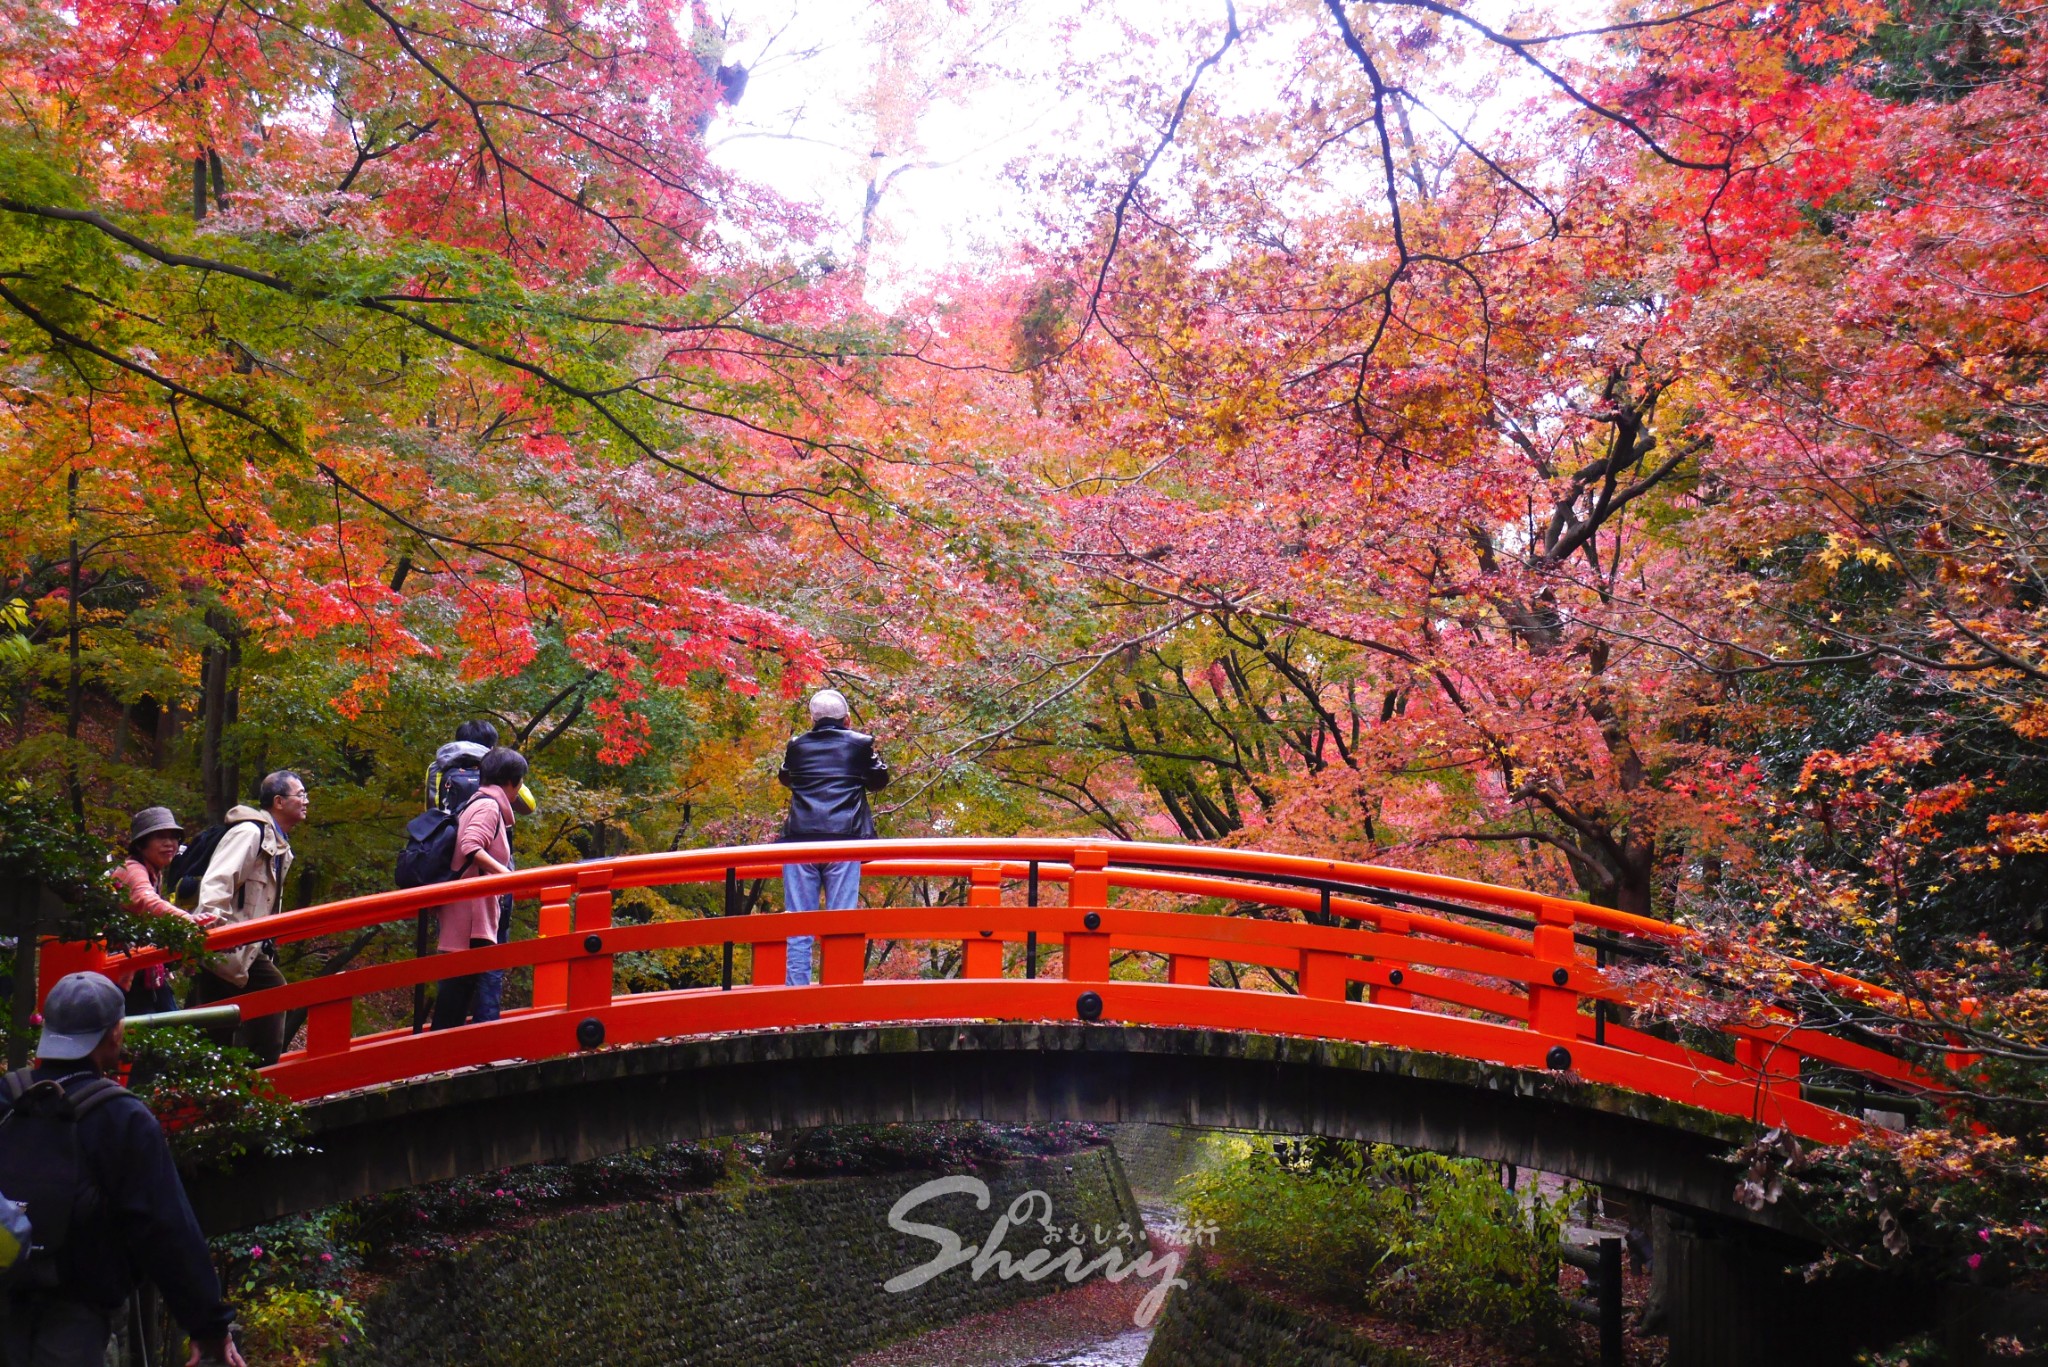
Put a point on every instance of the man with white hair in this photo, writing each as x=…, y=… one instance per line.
x=829, y=771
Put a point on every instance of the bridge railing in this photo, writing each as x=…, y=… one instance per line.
x=1345, y=951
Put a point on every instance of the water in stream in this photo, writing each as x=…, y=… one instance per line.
x=1089, y=1326
x=1125, y=1350
x=1092, y=1325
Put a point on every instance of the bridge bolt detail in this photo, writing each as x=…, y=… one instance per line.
x=590, y=1032
x=593, y=943
x=1093, y=920
x=1558, y=1059
x=1560, y=976
x=1089, y=1006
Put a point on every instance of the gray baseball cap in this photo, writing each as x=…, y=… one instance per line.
x=77, y=1014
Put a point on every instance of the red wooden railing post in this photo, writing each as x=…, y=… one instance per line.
x=590, y=977
x=56, y=958
x=1189, y=970
x=557, y=917
x=982, y=956
x=1775, y=1065
x=1322, y=975
x=329, y=1028
x=842, y=960
x=1085, y=958
x=1390, y=995
x=770, y=961
x=1553, y=1003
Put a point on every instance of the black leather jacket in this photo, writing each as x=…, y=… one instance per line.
x=829, y=772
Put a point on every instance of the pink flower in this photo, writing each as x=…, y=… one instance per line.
x=1985, y=1235
x=255, y=1250
x=326, y=1257
x=1976, y=1261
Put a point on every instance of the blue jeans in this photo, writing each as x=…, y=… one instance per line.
x=800, y=887
x=490, y=987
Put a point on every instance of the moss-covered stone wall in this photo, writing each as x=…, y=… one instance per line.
x=1157, y=1156
x=1213, y=1323
x=775, y=1276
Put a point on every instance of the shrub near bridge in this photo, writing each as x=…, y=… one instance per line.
x=1428, y=1240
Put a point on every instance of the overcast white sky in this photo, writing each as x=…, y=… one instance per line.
x=824, y=73
x=827, y=75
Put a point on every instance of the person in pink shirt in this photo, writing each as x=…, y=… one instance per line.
x=483, y=846
x=153, y=839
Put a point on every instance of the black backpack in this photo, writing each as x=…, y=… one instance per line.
x=460, y=778
x=429, y=853
x=42, y=1165
x=182, y=877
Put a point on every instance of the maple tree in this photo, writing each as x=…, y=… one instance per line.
x=435, y=342
x=1646, y=507
x=1594, y=461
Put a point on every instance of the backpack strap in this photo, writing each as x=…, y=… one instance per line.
x=478, y=796
x=89, y=1096
x=83, y=1098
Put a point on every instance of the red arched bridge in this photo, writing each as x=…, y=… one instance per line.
x=1059, y=932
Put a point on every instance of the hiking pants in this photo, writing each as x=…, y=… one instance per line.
x=455, y=996
x=264, y=1036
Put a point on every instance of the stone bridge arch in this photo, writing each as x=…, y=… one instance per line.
x=588, y=1105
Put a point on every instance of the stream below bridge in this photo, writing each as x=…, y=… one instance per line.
x=1089, y=1326
x=1093, y=1325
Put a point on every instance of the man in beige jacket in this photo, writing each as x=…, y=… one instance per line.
x=245, y=880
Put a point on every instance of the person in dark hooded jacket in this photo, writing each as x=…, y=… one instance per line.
x=829, y=771
x=138, y=1225
x=473, y=740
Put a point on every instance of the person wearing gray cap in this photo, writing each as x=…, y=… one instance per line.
x=153, y=838
x=88, y=1158
x=829, y=771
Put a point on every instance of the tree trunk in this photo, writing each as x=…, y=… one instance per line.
x=1636, y=885
x=213, y=674
x=74, y=688
x=231, y=758
x=219, y=704
x=167, y=729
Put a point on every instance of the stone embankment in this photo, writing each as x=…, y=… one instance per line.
x=1215, y=1323
x=1156, y=1157
x=787, y=1275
